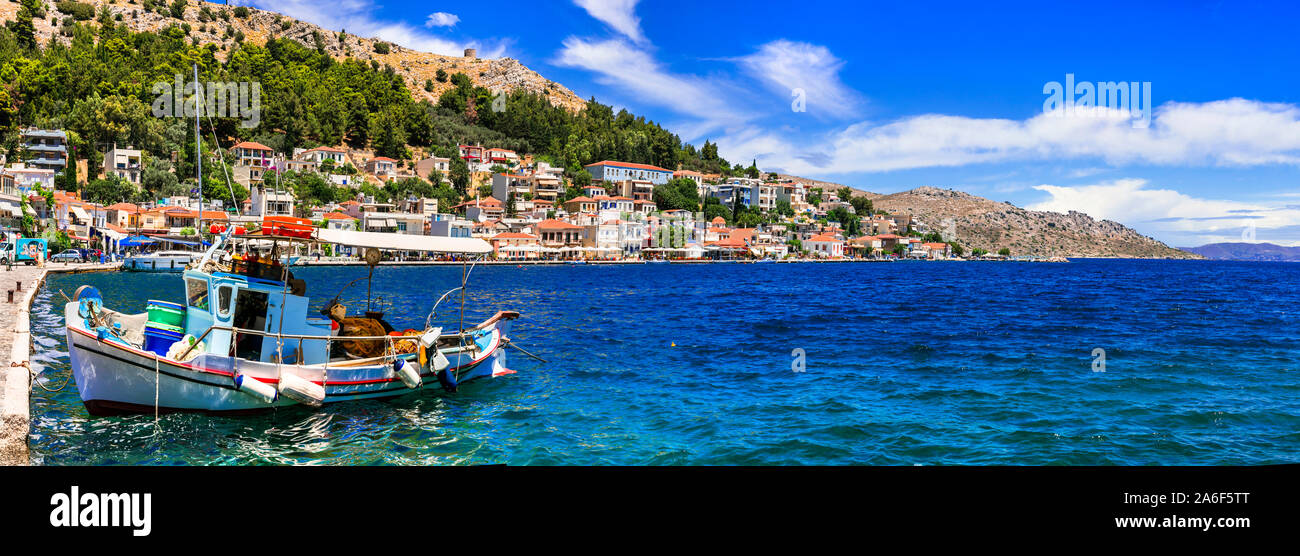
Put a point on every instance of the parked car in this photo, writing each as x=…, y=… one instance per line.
x=70, y=256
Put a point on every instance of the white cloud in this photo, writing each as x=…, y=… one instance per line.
x=619, y=64
x=619, y=15
x=1235, y=132
x=441, y=19
x=356, y=17
x=785, y=65
x=1167, y=214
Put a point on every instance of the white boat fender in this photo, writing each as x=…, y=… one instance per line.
x=301, y=390
x=430, y=338
x=408, y=372
x=256, y=388
x=439, y=361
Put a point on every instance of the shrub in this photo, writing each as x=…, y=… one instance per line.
x=79, y=10
x=381, y=47
x=241, y=12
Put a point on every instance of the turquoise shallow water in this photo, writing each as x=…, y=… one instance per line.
x=906, y=363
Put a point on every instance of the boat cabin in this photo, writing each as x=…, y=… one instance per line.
x=249, y=303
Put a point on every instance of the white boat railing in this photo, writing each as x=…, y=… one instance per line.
x=304, y=337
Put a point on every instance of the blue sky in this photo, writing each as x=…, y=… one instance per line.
x=944, y=94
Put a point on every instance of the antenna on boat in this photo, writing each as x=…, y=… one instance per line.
x=216, y=145
x=198, y=148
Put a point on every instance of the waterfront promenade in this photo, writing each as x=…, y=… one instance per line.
x=18, y=286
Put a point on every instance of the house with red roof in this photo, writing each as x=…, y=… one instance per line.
x=936, y=250
x=558, y=233
x=252, y=153
x=580, y=204
x=825, y=246
x=515, y=246
x=489, y=208
x=382, y=168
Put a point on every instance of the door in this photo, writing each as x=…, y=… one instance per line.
x=250, y=314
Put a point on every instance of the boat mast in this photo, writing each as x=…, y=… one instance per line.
x=198, y=152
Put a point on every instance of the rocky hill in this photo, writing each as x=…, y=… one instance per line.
x=1246, y=252
x=991, y=225
x=219, y=25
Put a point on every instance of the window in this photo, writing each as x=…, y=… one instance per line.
x=196, y=292
x=223, y=300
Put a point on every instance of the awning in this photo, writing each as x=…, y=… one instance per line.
x=183, y=242
x=112, y=234
x=14, y=211
x=403, y=242
x=81, y=213
x=135, y=241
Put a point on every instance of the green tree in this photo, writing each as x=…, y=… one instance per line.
x=459, y=175
x=679, y=193
x=388, y=134
x=23, y=29
x=109, y=190
x=159, y=181
x=861, y=205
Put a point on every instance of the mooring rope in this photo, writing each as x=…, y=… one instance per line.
x=157, y=376
x=511, y=343
x=36, y=377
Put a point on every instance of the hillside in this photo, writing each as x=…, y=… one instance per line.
x=1246, y=252
x=826, y=185
x=990, y=225
x=505, y=74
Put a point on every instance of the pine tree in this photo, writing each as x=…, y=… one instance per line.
x=23, y=29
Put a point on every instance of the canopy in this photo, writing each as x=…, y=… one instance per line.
x=135, y=241
x=403, y=242
x=183, y=242
x=112, y=234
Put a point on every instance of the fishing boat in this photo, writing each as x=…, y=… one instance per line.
x=160, y=261
x=243, y=340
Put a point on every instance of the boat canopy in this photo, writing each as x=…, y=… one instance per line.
x=135, y=241
x=403, y=242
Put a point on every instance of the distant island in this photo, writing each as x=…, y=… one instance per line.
x=1246, y=252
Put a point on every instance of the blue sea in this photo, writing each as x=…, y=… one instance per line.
x=908, y=363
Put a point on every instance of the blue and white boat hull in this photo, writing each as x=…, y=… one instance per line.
x=113, y=377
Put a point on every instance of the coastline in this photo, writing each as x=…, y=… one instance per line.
x=15, y=338
x=641, y=262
